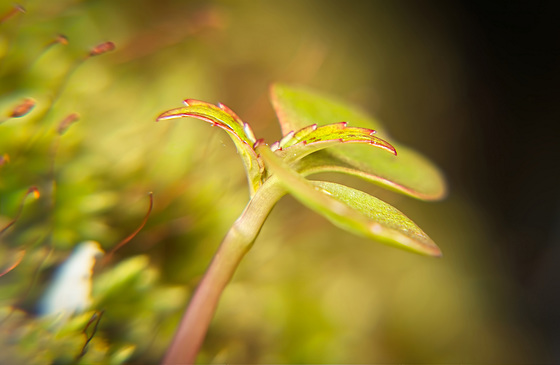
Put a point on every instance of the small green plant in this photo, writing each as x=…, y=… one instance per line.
x=320, y=135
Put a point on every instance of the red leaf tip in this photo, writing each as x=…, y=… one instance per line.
x=66, y=122
x=102, y=48
x=33, y=190
x=24, y=108
x=258, y=143
x=16, y=8
x=62, y=39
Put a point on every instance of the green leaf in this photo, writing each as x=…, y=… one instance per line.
x=295, y=146
x=297, y=107
x=351, y=209
x=409, y=173
x=239, y=131
x=220, y=115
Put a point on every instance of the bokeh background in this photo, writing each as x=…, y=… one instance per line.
x=472, y=85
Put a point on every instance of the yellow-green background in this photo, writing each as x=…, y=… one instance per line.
x=307, y=292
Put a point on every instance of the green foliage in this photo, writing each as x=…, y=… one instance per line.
x=409, y=173
x=294, y=156
x=240, y=132
x=56, y=189
x=296, y=145
x=354, y=210
x=28, y=341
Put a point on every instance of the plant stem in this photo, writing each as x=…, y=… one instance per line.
x=236, y=244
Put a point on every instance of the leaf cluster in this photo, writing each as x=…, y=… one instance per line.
x=322, y=134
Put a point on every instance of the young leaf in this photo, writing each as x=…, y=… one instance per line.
x=240, y=132
x=297, y=107
x=295, y=146
x=351, y=209
x=409, y=173
x=220, y=116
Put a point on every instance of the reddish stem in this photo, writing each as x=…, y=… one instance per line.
x=236, y=244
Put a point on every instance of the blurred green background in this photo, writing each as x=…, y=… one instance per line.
x=468, y=84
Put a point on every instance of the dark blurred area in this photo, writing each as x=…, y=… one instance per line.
x=512, y=54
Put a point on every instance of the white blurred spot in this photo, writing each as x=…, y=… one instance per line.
x=70, y=290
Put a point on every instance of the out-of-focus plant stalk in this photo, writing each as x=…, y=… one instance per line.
x=236, y=244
